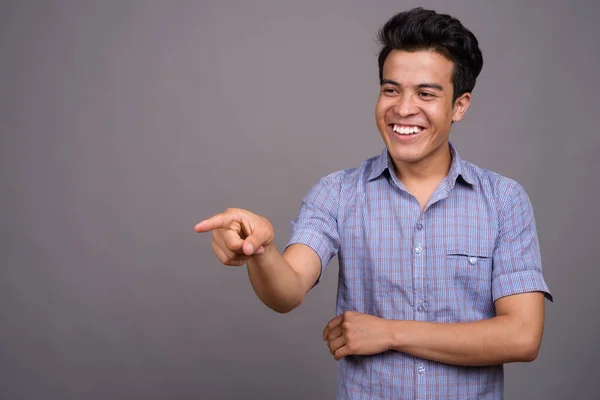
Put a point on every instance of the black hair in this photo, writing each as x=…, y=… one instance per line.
x=420, y=29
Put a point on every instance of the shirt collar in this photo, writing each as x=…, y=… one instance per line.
x=458, y=168
x=381, y=163
x=384, y=162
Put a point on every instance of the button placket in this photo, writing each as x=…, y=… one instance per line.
x=419, y=269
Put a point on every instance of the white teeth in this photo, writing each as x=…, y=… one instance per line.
x=406, y=130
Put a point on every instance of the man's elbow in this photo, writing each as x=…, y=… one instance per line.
x=528, y=348
x=281, y=309
x=284, y=308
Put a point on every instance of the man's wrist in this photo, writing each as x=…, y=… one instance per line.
x=269, y=250
x=396, y=334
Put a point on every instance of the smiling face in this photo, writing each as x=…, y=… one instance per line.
x=415, y=110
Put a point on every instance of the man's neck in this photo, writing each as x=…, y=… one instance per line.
x=431, y=169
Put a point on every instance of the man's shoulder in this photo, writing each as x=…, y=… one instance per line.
x=493, y=184
x=350, y=177
x=340, y=187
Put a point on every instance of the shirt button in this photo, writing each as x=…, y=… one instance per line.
x=419, y=227
x=420, y=308
x=418, y=250
x=421, y=370
x=472, y=260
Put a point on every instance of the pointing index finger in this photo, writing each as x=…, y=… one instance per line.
x=218, y=221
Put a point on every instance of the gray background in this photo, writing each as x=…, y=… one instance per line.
x=125, y=123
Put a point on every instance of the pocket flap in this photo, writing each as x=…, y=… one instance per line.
x=468, y=251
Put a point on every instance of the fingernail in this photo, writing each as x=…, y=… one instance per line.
x=250, y=249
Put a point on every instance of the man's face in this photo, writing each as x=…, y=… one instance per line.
x=415, y=109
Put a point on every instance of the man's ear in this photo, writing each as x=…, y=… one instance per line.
x=460, y=106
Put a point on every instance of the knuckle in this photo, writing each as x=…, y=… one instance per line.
x=266, y=223
x=230, y=246
x=217, y=235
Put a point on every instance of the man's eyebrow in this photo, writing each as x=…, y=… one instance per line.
x=419, y=86
x=430, y=86
x=389, y=82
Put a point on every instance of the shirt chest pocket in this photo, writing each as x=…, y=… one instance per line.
x=460, y=288
x=468, y=264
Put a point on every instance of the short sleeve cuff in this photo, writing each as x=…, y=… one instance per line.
x=519, y=282
x=316, y=241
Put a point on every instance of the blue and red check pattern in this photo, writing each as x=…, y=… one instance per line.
x=475, y=242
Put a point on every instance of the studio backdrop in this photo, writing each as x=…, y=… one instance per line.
x=124, y=123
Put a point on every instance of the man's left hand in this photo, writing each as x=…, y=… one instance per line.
x=354, y=333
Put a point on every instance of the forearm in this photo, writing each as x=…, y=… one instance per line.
x=274, y=280
x=497, y=340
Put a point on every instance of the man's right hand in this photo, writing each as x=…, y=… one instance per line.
x=237, y=235
x=280, y=280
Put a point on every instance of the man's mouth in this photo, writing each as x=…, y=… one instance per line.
x=407, y=129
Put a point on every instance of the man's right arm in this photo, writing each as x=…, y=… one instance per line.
x=282, y=280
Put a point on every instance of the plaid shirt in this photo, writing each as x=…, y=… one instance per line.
x=474, y=243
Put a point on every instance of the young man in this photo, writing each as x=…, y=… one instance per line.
x=440, y=279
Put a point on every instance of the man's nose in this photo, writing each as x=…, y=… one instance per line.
x=406, y=106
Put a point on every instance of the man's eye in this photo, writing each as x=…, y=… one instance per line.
x=389, y=90
x=425, y=94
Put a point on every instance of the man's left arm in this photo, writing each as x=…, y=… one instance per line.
x=514, y=334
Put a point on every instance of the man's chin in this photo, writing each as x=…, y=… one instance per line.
x=405, y=156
